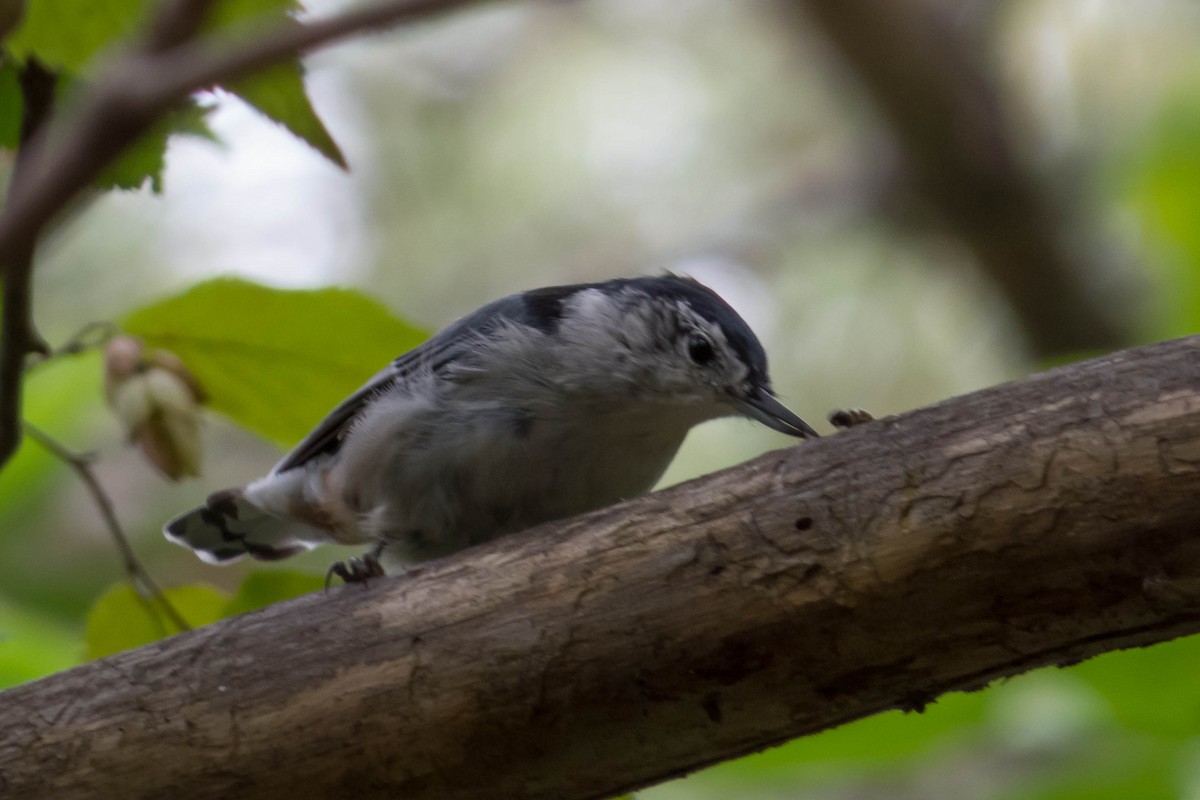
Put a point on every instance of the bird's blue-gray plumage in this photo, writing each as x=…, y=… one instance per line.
x=537, y=406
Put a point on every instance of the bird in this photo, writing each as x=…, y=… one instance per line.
x=538, y=406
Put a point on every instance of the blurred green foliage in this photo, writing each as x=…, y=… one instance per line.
x=10, y=107
x=33, y=645
x=120, y=619
x=1164, y=191
x=1123, y=725
x=261, y=589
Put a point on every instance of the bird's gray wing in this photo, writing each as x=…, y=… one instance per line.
x=539, y=309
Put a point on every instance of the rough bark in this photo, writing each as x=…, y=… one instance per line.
x=1034, y=523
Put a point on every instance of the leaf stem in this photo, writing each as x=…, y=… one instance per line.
x=89, y=337
x=138, y=577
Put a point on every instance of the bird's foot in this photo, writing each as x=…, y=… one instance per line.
x=359, y=569
x=844, y=418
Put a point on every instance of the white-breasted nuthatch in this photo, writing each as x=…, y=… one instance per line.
x=538, y=406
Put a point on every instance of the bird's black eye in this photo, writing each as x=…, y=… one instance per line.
x=700, y=349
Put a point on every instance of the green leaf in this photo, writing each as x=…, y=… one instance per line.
x=121, y=620
x=67, y=35
x=242, y=16
x=143, y=161
x=273, y=360
x=32, y=646
x=146, y=158
x=261, y=589
x=278, y=93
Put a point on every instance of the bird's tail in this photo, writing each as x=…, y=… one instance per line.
x=228, y=526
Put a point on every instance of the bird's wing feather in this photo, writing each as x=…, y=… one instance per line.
x=435, y=355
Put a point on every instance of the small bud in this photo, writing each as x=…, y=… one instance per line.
x=122, y=359
x=158, y=401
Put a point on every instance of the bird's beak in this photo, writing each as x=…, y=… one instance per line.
x=759, y=404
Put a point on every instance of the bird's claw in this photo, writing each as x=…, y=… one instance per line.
x=844, y=418
x=359, y=569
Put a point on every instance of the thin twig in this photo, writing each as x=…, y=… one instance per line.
x=89, y=337
x=18, y=336
x=139, y=578
x=177, y=22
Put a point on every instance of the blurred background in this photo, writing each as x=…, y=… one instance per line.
x=907, y=201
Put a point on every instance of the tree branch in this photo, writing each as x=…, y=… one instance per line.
x=1034, y=523
x=141, y=86
x=943, y=105
x=18, y=336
